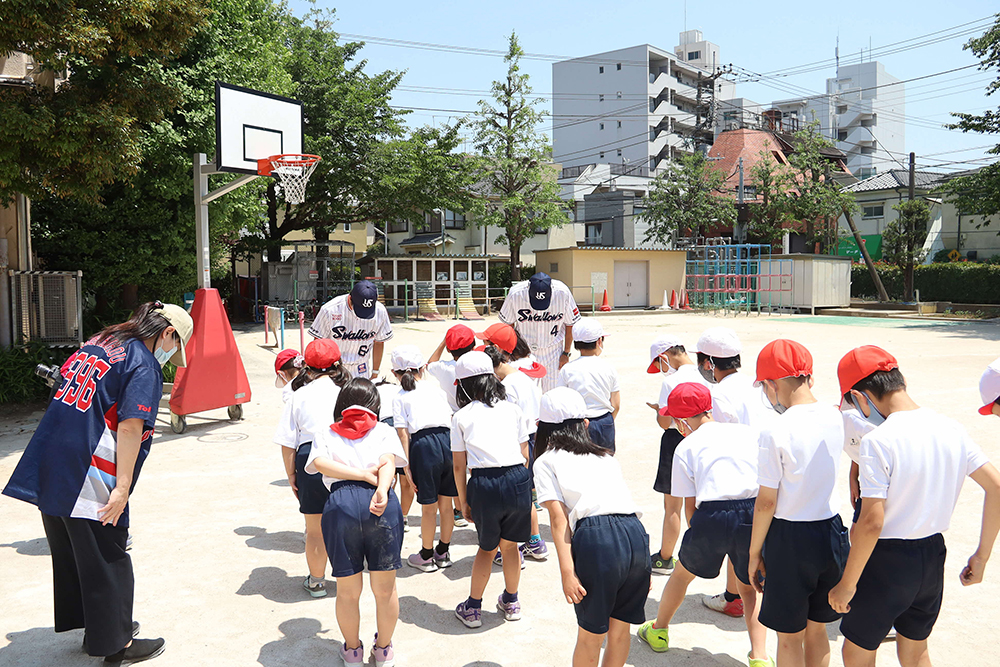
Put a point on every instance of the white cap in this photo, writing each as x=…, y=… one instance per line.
x=719, y=342
x=407, y=356
x=659, y=346
x=587, y=330
x=989, y=387
x=559, y=404
x=181, y=321
x=472, y=364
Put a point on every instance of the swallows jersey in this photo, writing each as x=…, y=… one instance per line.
x=541, y=329
x=354, y=336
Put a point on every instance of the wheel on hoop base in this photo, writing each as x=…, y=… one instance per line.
x=236, y=412
x=177, y=423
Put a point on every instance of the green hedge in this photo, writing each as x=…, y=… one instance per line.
x=959, y=282
x=18, y=382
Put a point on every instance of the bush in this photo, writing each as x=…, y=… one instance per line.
x=18, y=382
x=500, y=274
x=958, y=282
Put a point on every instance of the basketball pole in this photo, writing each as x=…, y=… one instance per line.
x=202, y=197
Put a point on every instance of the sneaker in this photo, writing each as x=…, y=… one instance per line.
x=510, y=610
x=460, y=521
x=658, y=640
x=429, y=565
x=498, y=558
x=135, y=632
x=534, y=499
x=315, y=587
x=406, y=529
x=442, y=560
x=352, y=656
x=128, y=543
x=662, y=565
x=718, y=603
x=759, y=662
x=137, y=651
x=383, y=657
x=536, y=550
x=472, y=618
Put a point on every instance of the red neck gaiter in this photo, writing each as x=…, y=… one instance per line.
x=355, y=422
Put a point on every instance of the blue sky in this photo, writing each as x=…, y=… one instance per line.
x=782, y=36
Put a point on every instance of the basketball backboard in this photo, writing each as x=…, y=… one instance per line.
x=250, y=125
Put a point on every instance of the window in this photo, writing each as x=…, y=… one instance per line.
x=347, y=228
x=594, y=233
x=602, y=155
x=777, y=156
x=618, y=94
x=553, y=267
x=454, y=220
x=600, y=70
x=618, y=67
x=694, y=55
x=619, y=125
x=638, y=211
x=619, y=152
x=602, y=125
x=842, y=109
x=866, y=172
x=600, y=98
x=397, y=226
x=873, y=211
x=841, y=135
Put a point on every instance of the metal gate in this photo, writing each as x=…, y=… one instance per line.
x=47, y=307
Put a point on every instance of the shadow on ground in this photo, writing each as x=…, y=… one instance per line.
x=42, y=647
x=36, y=547
x=302, y=644
x=284, y=540
x=442, y=621
x=276, y=585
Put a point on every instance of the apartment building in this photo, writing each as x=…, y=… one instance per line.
x=638, y=107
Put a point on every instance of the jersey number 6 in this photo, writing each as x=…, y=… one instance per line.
x=363, y=350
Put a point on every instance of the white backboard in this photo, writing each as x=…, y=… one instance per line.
x=250, y=124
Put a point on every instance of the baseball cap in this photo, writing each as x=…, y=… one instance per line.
x=283, y=358
x=406, y=357
x=687, y=400
x=540, y=291
x=181, y=321
x=783, y=358
x=472, y=364
x=588, y=330
x=989, y=387
x=500, y=334
x=861, y=362
x=459, y=337
x=364, y=296
x=659, y=346
x=321, y=354
x=718, y=342
x=560, y=404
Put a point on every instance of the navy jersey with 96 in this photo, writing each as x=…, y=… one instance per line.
x=69, y=467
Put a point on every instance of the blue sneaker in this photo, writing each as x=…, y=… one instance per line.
x=471, y=618
x=536, y=550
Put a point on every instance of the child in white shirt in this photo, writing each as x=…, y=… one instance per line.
x=596, y=380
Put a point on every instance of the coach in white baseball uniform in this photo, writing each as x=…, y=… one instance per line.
x=543, y=311
x=359, y=324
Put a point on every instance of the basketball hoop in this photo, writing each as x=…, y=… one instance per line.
x=293, y=170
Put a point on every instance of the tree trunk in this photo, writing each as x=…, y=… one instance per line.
x=322, y=235
x=515, y=263
x=130, y=296
x=908, y=268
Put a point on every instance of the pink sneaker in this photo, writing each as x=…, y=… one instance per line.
x=352, y=656
x=383, y=657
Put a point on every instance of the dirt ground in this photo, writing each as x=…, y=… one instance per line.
x=218, y=552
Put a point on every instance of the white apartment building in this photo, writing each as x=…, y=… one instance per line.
x=637, y=106
x=863, y=112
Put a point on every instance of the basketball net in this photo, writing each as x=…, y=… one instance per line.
x=292, y=171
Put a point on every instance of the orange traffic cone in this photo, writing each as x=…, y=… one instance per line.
x=604, y=306
x=673, y=299
x=685, y=305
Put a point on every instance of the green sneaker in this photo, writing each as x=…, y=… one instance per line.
x=760, y=662
x=662, y=565
x=658, y=640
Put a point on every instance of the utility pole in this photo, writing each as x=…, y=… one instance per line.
x=909, y=232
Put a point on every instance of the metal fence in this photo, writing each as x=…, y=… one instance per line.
x=47, y=307
x=737, y=278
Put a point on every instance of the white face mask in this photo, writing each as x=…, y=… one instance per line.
x=163, y=356
x=874, y=416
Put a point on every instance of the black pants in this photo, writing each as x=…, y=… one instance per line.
x=92, y=581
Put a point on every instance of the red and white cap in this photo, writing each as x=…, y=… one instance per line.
x=989, y=387
x=472, y=364
x=500, y=334
x=281, y=360
x=687, y=400
x=407, y=357
x=659, y=346
x=718, y=342
x=459, y=337
x=322, y=353
x=561, y=404
x=588, y=330
x=783, y=358
x=861, y=362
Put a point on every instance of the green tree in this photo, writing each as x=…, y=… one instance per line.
x=769, y=210
x=518, y=183
x=72, y=140
x=687, y=198
x=903, y=240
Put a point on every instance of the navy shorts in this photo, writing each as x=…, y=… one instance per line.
x=719, y=528
x=531, y=457
x=668, y=445
x=501, y=505
x=312, y=491
x=804, y=561
x=431, y=465
x=902, y=586
x=611, y=559
x=602, y=431
x=857, y=511
x=354, y=536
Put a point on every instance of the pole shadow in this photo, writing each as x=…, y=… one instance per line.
x=290, y=541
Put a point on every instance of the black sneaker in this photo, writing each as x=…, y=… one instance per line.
x=662, y=565
x=139, y=650
x=135, y=631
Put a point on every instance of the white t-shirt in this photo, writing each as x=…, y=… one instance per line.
x=309, y=412
x=361, y=453
x=587, y=484
x=716, y=462
x=387, y=393
x=354, y=336
x=525, y=393
x=593, y=378
x=541, y=329
x=424, y=407
x=799, y=456
x=917, y=460
x=736, y=401
x=444, y=373
x=491, y=436
x=855, y=428
x=686, y=373
x=286, y=392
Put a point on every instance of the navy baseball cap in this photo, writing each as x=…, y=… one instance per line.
x=364, y=296
x=540, y=291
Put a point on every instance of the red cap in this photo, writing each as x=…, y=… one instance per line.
x=783, y=359
x=500, y=334
x=322, y=353
x=283, y=358
x=687, y=400
x=861, y=362
x=459, y=337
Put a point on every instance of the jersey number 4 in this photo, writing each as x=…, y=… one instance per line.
x=80, y=385
x=555, y=330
